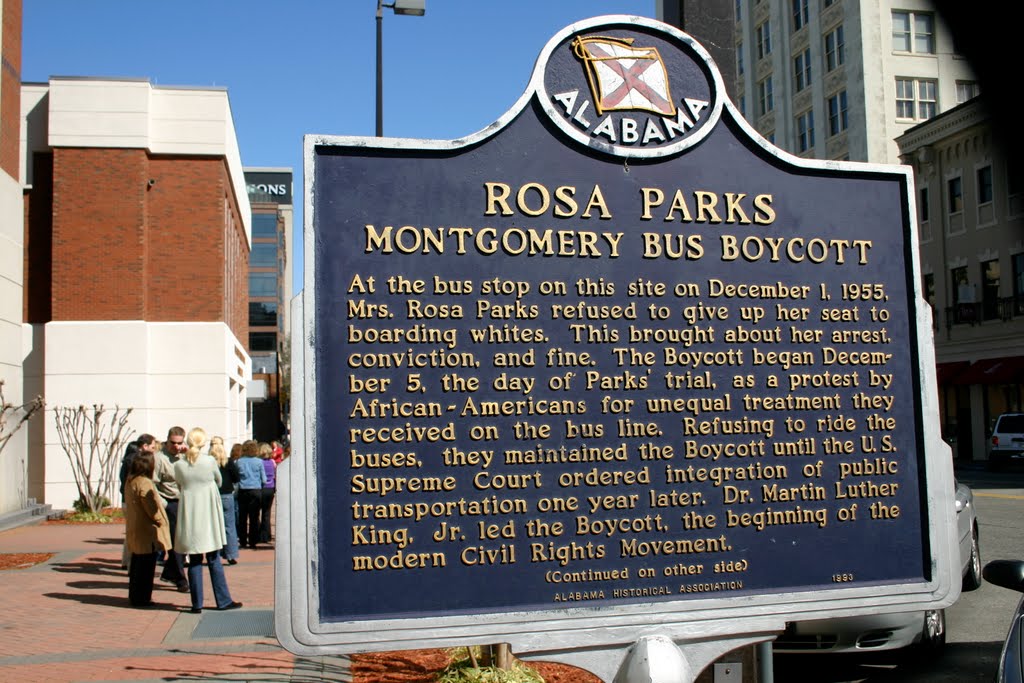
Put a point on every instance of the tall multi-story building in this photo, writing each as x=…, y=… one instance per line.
x=842, y=79
x=270, y=291
x=13, y=470
x=970, y=204
x=137, y=242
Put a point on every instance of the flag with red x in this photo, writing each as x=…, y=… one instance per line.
x=623, y=77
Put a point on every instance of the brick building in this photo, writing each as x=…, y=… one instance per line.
x=13, y=482
x=137, y=240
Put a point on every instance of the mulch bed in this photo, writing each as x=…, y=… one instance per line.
x=115, y=516
x=22, y=560
x=421, y=666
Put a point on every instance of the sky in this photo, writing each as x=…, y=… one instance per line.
x=299, y=67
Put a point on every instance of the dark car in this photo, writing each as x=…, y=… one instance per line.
x=1010, y=574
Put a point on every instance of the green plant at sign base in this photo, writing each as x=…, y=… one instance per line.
x=463, y=670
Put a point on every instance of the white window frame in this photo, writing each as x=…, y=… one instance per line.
x=966, y=90
x=763, y=32
x=802, y=70
x=918, y=34
x=765, y=96
x=836, y=56
x=923, y=98
x=801, y=14
x=838, y=113
x=805, y=131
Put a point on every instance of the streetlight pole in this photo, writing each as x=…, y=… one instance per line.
x=416, y=8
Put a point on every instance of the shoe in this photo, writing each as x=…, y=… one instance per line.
x=183, y=587
x=234, y=605
x=196, y=610
x=232, y=561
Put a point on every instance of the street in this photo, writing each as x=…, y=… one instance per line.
x=976, y=624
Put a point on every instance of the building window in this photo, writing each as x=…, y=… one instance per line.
x=263, y=341
x=828, y=3
x=929, y=289
x=262, y=314
x=915, y=99
x=913, y=32
x=802, y=70
x=264, y=225
x=835, y=49
x=739, y=59
x=990, y=289
x=764, y=39
x=805, y=131
x=922, y=207
x=955, y=195
x=765, y=97
x=264, y=254
x=263, y=284
x=966, y=90
x=985, y=185
x=838, y=118
x=800, y=15
x=743, y=106
x=739, y=9
x=1018, y=284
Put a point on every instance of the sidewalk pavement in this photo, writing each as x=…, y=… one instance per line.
x=67, y=619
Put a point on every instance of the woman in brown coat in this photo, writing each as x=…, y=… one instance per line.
x=147, y=530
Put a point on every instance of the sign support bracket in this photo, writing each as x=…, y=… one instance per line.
x=651, y=659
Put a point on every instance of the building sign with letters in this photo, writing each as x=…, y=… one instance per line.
x=613, y=365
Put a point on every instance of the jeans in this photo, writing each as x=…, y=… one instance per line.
x=249, y=517
x=227, y=500
x=174, y=566
x=266, y=502
x=221, y=594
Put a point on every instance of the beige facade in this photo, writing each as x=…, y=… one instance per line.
x=841, y=79
x=970, y=205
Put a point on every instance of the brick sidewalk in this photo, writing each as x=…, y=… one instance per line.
x=68, y=619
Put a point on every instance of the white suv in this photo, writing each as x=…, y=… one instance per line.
x=1007, y=440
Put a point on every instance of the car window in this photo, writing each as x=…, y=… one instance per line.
x=1012, y=424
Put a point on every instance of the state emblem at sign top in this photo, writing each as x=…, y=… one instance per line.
x=630, y=87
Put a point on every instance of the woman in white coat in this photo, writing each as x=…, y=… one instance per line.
x=200, y=531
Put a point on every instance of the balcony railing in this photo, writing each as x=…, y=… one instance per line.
x=1004, y=309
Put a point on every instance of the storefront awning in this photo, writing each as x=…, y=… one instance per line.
x=1005, y=370
x=946, y=373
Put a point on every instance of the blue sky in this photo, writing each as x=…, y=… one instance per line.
x=299, y=67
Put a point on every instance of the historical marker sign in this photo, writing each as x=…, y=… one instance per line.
x=614, y=365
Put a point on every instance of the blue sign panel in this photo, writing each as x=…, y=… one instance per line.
x=617, y=350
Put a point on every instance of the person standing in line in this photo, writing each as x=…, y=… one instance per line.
x=268, y=491
x=149, y=441
x=147, y=529
x=228, y=481
x=167, y=487
x=251, y=478
x=201, y=532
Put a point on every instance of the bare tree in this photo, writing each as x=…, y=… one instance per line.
x=12, y=417
x=93, y=442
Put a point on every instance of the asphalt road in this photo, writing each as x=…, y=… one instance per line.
x=976, y=624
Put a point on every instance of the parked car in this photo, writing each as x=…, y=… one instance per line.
x=1007, y=441
x=926, y=630
x=1010, y=574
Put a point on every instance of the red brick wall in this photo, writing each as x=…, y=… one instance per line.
x=10, y=88
x=98, y=233
x=136, y=237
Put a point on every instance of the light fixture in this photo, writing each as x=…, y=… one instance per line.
x=412, y=8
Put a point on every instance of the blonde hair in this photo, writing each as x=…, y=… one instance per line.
x=218, y=453
x=196, y=440
x=266, y=452
x=217, y=439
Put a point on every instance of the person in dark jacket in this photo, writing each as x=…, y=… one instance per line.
x=228, y=480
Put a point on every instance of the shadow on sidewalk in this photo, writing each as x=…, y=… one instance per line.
x=91, y=565
x=106, y=541
x=108, y=600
